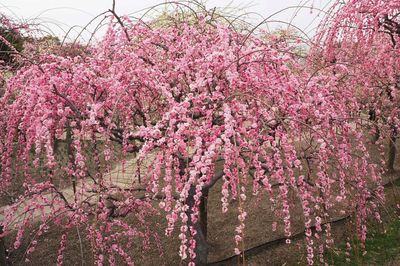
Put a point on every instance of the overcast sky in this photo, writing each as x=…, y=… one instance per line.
x=58, y=16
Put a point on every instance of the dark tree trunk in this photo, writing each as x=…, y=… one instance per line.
x=68, y=142
x=372, y=117
x=392, y=154
x=203, y=212
x=393, y=136
x=3, y=257
x=377, y=134
x=200, y=226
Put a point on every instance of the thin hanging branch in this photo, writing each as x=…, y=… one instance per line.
x=120, y=23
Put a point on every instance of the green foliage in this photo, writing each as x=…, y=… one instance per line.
x=397, y=182
x=382, y=246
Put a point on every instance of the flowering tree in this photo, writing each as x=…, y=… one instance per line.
x=199, y=104
x=364, y=37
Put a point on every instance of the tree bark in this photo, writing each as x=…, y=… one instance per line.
x=372, y=117
x=3, y=257
x=392, y=154
x=203, y=212
x=201, y=249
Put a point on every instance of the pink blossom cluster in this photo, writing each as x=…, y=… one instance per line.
x=363, y=38
x=200, y=104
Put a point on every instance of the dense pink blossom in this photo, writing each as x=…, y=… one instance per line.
x=363, y=38
x=183, y=97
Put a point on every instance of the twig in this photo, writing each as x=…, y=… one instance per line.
x=120, y=23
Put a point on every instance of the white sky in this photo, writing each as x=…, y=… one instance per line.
x=58, y=16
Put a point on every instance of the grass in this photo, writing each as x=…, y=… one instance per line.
x=397, y=182
x=382, y=246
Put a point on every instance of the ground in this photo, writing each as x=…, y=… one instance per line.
x=220, y=237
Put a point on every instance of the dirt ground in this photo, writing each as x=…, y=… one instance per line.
x=220, y=240
x=220, y=236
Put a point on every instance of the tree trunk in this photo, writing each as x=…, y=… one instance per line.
x=201, y=249
x=372, y=117
x=68, y=142
x=3, y=257
x=392, y=154
x=200, y=226
x=203, y=212
x=393, y=137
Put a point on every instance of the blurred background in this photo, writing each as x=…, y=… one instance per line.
x=77, y=18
